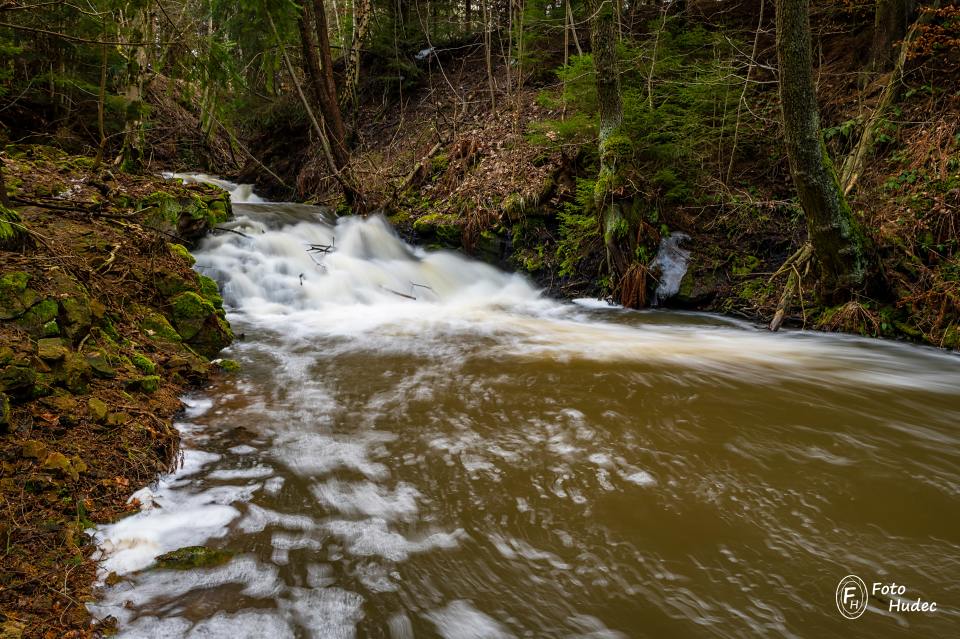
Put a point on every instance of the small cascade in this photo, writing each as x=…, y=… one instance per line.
x=239, y=193
x=671, y=261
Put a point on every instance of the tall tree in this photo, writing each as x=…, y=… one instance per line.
x=614, y=146
x=889, y=26
x=834, y=234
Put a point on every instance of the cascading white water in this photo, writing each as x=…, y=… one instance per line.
x=671, y=263
x=239, y=193
x=409, y=425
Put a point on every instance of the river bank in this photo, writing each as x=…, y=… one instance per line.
x=103, y=326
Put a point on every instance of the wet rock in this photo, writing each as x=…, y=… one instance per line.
x=193, y=557
x=697, y=289
x=51, y=349
x=189, y=367
x=211, y=292
x=98, y=409
x=227, y=365
x=199, y=324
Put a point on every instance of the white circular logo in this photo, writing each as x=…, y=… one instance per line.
x=851, y=597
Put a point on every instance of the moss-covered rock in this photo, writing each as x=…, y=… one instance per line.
x=143, y=363
x=36, y=319
x=190, y=216
x=156, y=325
x=181, y=251
x=17, y=378
x=51, y=349
x=444, y=227
x=199, y=324
x=100, y=366
x=145, y=384
x=228, y=365
x=74, y=374
x=97, y=409
x=210, y=291
x=193, y=557
x=15, y=296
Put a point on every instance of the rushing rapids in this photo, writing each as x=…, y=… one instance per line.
x=421, y=445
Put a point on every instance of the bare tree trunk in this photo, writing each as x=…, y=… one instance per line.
x=329, y=103
x=889, y=26
x=362, y=12
x=836, y=239
x=101, y=105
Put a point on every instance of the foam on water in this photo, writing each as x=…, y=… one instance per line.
x=310, y=494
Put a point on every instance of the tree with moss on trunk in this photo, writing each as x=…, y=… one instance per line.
x=837, y=241
x=619, y=237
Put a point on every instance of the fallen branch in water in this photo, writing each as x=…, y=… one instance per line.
x=226, y=230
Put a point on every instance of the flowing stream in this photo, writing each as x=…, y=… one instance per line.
x=420, y=445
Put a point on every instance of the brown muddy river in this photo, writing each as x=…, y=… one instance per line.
x=419, y=445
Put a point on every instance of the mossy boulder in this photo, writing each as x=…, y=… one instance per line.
x=156, y=325
x=100, y=365
x=228, y=365
x=199, y=324
x=170, y=283
x=145, y=384
x=143, y=363
x=97, y=409
x=210, y=291
x=444, y=227
x=38, y=318
x=18, y=378
x=193, y=557
x=15, y=296
x=51, y=349
x=70, y=467
x=74, y=374
x=189, y=216
x=181, y=251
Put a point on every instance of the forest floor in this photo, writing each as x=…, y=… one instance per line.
x=103, y=326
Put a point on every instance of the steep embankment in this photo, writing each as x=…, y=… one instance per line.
x=103, y=326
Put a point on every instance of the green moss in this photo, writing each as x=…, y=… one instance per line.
x=143, y=363
x=38, y=316
x=181, y=251
x=156, y=325
x=5, y=414
x=97, y=409
x=193, y=557
x=145, y=384
x=229, y=365
x=745, y=264
x=15, y=297
x=210, y=291
x=199, y=323
x=74, y=373
x=442, y=226
x=51, y=329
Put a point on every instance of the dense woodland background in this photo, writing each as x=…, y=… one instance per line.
x=564, y=138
